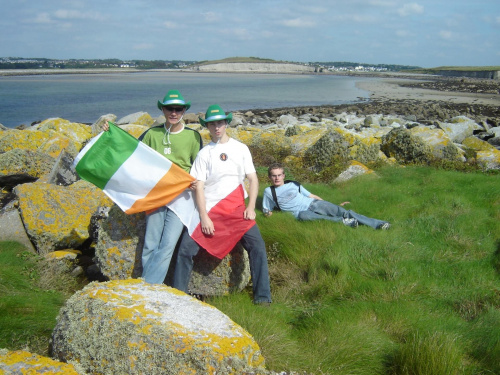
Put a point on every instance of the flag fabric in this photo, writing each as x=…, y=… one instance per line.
x=226, y=214
x=130, y=173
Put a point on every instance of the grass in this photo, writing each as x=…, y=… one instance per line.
x=420, y=298
x=32, y=292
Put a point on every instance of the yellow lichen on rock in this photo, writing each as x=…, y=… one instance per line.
x=154, y=329
x=57, y=217
x=23, y=362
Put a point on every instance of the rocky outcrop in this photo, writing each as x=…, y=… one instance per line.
x=132, y=327
x=255, y=68
x=483, y=74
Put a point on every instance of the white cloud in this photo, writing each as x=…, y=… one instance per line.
x=298, y=22
x=65, y=14
x=402, y=33
x=211, y=17
x=43, y=18
x=409, y=9
x=445, y=34
x=169, y=25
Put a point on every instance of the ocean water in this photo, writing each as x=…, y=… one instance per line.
x=86, y=97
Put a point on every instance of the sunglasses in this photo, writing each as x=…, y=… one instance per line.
x=174, y=109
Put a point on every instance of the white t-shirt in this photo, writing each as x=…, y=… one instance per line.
x=222, y=167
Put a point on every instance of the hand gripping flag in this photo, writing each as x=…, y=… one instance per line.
x=130, y=173
x=225, y=206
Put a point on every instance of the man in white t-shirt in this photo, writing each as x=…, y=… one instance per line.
x=290, y=196
x=220, y=169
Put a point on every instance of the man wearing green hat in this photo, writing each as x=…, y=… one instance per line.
x=180, y=145
x=220, y=169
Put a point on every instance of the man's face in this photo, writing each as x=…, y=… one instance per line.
x=277, y=177
x=217, y=129
x=173, y=113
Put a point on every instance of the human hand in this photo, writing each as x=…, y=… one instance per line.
x=193, y=185
x=105, y=126
x=249, y=214
x=207, y=226
x=344, y=203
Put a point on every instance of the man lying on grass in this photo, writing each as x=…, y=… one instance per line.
x=290, y=196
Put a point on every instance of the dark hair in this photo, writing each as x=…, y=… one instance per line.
x=275, y=166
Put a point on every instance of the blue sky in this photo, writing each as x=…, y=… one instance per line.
x=427, y=33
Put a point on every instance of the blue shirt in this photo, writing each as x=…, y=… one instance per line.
x=289, y=197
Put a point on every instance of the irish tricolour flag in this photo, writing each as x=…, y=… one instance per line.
x=133, y=175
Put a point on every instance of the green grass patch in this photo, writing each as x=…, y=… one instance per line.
x=31, y=296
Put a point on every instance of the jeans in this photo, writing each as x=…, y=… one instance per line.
x=254, y=245
x=163, y=229
x=319, y=210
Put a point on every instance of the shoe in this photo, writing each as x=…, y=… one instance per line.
x=384, y=226
x=353, y=223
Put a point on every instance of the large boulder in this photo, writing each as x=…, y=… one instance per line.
x=19, y=166
x=459, y=128
x=58, y=217
x=132, y=327
x=118, y=255
x=138, y=118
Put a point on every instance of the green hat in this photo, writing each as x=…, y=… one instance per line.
x=173, y=97
x=215, y=113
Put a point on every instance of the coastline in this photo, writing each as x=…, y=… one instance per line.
x=392, y=89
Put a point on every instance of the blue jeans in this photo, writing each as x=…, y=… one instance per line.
x=163, y=229
x=254, y=245
x=319, y=210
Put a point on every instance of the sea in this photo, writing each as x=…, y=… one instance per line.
x=85, y=97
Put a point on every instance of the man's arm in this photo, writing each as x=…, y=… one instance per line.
x=207, y=226
x=253, y=190
x=315, y=197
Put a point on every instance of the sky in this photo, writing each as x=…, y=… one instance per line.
x=425, y=33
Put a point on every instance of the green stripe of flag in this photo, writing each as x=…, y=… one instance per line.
x=104, y=158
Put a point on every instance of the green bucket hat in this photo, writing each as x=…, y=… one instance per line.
x=173, y=97
x=215, y=113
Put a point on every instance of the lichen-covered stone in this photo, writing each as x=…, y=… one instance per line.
x=23, y=362
x=353, y=170
x=459, y=128
x=138, y=118
x=134, y=130
x=22, y=139
x=402, y=145
x=18, y=166
x=439, y=143
x=119, y=251
x=58, y=127
x=58, y=217
x=132, y=327
x=329, y=149
x=119, y=245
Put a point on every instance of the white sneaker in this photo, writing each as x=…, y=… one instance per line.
x=384, y=226
x=353, y=223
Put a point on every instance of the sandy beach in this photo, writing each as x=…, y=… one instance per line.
x=392, y=89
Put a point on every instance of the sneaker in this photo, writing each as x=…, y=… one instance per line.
x=384, y=226
x=353, y=223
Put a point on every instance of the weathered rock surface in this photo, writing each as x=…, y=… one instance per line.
x=119, y=250
x=132, y=327
x=23, y=362
x=57, y=217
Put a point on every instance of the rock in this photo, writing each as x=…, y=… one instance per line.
x=132, y=327
x=18, y=166
x=438, y=142
x=119, y=251
x=402, y=145
x=58, y=217
x=12, y=229
x=96, y=127
x=63, y=172
x=138, y=118
x=355, y=169
x=459, y=128
x=24, y=362
x=287, y=120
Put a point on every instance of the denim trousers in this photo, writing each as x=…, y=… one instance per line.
x=323, y=210
x=254, y=245
x=163, y=229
